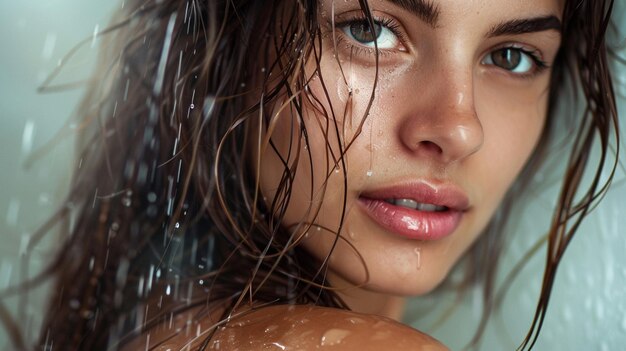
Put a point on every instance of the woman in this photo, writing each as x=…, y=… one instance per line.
x=246, y=161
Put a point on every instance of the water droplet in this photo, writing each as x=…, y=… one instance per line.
x=267, y=346
x=356, y=320
x=168, y=290
x=13, y=212
x=74, y=304
x=27, y=137
x=599, y=310
x=192, y=106
x=44, y=199
x=152, y=211
x=48, y=46
x=270, y=328
x=418, y=252
x=152, y=197
x=333, y=337
x=370, y=173
x=567, y=314
x=177, y=225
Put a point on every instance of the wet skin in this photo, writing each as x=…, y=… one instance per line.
x=459, y=104
x=285, y=328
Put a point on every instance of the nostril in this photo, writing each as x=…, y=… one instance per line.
x=430, y=147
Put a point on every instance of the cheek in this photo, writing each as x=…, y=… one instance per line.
x=315, y=159
x=513, y=120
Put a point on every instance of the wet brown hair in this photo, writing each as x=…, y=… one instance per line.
x=165, y=215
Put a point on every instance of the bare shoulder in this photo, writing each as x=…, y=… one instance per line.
x=284, y=327
x=310, y=327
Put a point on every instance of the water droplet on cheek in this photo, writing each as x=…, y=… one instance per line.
x=418, y=253
x=352, y=235
x=370, y=173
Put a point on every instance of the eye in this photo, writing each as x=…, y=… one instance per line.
x=516, y=60
x=361, y=32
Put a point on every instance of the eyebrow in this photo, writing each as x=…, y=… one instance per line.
x=426, y=10
x=522, y=26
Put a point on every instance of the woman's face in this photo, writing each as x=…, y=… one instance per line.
x=458, y=109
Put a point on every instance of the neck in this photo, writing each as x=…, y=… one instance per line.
x=365, y=301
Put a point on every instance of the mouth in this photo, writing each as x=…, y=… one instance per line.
x=419, y=210
x=414, y=205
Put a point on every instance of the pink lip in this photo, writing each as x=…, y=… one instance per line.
x=415, y=224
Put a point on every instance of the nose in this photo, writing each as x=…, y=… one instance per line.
x=442, y=122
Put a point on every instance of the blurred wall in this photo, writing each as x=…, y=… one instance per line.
x=35, y=35
x=588, y=308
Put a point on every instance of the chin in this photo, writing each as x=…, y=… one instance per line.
x=418, y=286
x=399, y=283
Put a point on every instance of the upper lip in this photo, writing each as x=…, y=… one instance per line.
x=423, y=191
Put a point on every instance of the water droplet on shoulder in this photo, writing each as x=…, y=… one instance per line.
x=270, y=328
x=333, y=337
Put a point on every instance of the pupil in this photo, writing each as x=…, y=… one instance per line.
x=363, y=33
x=507, y=58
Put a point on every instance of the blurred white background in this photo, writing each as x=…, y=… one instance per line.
x=35, y=35
x=588, y=307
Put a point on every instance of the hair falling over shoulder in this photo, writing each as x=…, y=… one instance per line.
x=165, y=213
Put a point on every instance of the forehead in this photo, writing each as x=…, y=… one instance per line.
x=459, y=18
x=449, y=9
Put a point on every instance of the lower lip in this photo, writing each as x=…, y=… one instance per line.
x=412, y=224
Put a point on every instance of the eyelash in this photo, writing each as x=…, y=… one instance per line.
x=385, y=22
x=395, y=28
